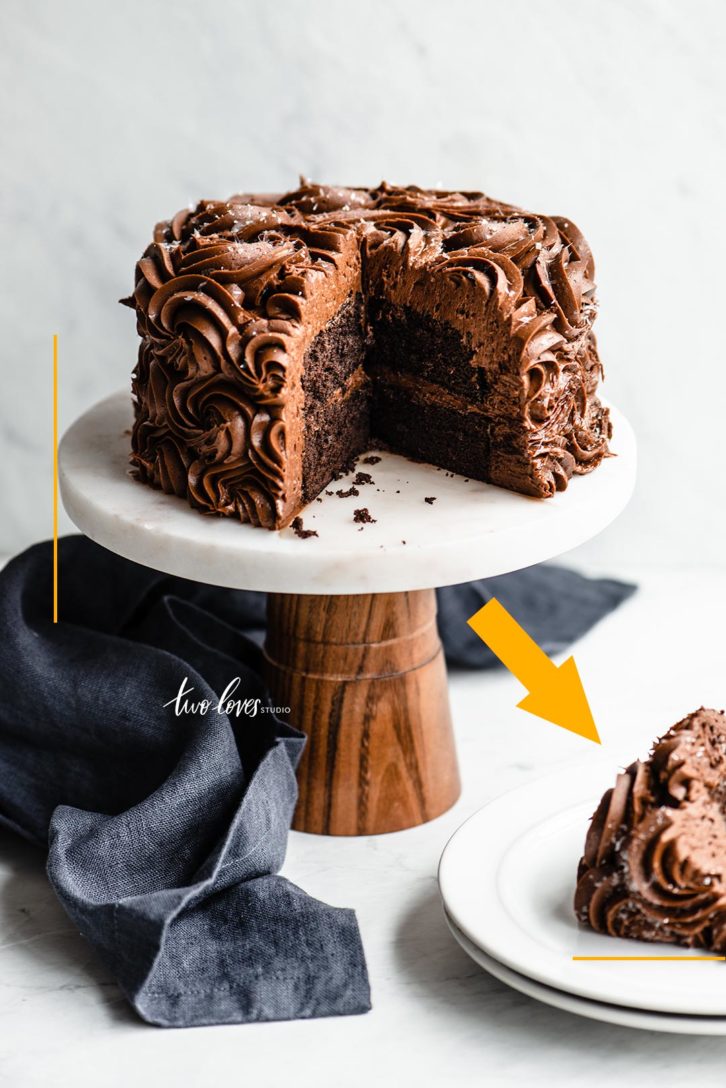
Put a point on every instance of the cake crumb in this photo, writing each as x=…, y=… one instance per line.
x=372, y=460
x=430, y=499
x=299, y=530
x=363, y=478
x=329, y=492
x=347, y=494
x=346, y=468
x=363, y=516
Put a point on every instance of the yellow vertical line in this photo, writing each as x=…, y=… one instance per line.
x=55, y=478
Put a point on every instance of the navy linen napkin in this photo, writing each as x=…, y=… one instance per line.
x=556, y=606
x=164, y=831
x=166, y=826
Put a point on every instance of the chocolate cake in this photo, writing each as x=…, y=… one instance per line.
x=281, y=336
x=655, y=855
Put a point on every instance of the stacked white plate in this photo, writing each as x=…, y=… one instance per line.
x=507, y=878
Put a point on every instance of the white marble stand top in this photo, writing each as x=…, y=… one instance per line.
x=471, y=530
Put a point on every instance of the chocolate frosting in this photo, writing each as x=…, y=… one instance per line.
x=230, y=294
x=654, y=865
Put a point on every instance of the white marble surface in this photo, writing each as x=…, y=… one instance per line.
x=611, y=113
x=437, y=1019
x=469, y=529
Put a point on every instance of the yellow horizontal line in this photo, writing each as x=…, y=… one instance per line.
x=651, y=959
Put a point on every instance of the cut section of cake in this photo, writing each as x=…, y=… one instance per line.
x=654, y=866
x=283, y=336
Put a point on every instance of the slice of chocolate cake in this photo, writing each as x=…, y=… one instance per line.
x=654, y=866
x=282, y=336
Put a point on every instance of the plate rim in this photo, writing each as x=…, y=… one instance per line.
x=601, y=1011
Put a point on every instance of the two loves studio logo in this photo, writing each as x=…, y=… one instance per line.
x=229, y=702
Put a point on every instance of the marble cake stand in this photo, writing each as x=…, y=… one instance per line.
x=352, y=646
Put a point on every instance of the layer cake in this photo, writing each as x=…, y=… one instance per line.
x=281, y=336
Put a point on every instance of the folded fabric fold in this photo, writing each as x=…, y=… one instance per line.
x=165, y=827
x=555, y=605
x=164, y=804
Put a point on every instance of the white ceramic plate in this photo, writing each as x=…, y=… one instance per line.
x=507, y=878
x=593, y=1010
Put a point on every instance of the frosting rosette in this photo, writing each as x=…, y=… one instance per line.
x=654, y=865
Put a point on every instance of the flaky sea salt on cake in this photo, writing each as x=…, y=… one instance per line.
x=281, y=336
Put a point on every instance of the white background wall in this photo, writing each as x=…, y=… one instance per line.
x=114, y=115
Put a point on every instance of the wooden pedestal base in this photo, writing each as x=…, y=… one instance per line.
x=365, y=679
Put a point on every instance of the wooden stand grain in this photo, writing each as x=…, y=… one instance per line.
x=365, y=679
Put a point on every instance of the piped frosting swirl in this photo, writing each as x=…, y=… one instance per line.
x=654, y=865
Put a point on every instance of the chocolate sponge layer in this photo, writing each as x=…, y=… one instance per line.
x=337, y=398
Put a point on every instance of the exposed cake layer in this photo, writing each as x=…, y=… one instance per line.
x=336, y=393
x=412, y=418
x=243, y=392
x=407, y=341
x=654, y=866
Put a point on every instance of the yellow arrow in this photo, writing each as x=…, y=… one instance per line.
x=555, y=692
